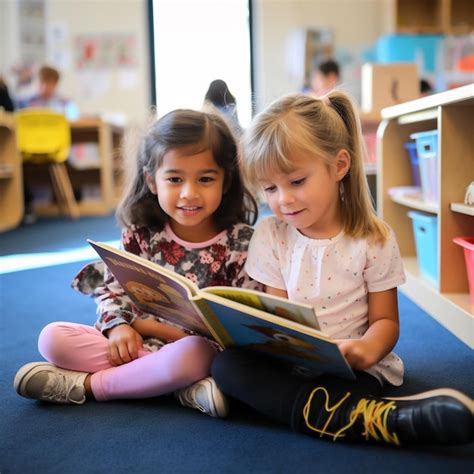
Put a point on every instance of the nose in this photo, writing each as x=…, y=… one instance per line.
x=189, y=191
x=285, y=197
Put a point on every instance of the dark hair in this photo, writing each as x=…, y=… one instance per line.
x=198, y=131
x=49, y=74
x=329, y=67
x=425, y=87
x=219, y=94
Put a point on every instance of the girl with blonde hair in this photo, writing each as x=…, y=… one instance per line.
x=325, y=246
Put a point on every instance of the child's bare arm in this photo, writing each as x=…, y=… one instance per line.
x=380, y=337
x=276, y=292
x=153, y=328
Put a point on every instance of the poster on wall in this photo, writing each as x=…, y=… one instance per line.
x=105, y=51
x=32, y=30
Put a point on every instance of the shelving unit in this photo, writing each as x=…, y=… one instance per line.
x=452, y=113
x=434, y=16
x=101, y=182
x=11, y=189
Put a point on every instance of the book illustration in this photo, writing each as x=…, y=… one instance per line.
x=157, y=294
x=307, y=349
x=301, y=313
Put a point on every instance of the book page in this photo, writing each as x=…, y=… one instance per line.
x=154, y=290
x=309, y=351
x=282, y=307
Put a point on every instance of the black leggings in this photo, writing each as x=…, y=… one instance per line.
x=270, y=387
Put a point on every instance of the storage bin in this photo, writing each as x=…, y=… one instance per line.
x=410, y=147
x=425, y=229
x=468, y=244
x=427, y=151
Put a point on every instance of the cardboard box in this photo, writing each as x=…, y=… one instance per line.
x=384, y=85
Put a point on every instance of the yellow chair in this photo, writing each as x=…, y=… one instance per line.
x=44, y=136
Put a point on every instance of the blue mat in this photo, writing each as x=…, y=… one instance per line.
x=161, y=436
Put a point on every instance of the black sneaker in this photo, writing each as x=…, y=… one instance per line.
x=443, y=416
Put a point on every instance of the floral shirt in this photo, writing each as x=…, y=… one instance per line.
x=216, y=262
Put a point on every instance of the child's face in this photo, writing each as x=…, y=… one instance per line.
x=189, y=189
x=308, y=197
x=47, y=88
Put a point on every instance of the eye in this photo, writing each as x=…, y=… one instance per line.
x=298, y=182
x=206, y=179
x=174, y=179
x=269, y=189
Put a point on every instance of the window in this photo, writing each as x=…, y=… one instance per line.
x=196, y=42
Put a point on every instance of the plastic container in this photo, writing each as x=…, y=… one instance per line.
x=425, y=229
x=468, y=244
x=427, y=151
x=410, y=147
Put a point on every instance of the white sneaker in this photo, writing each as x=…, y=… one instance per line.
x=48, y=383
x=205, y=396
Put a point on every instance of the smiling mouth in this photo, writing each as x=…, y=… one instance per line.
x=291, y=214
x=189, y=208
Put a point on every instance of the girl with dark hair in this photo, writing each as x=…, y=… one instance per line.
x=187, y=209
x=218, y=97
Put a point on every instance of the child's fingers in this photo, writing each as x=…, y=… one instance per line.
x=124, y=353
x=113, y=355
x=132, y=347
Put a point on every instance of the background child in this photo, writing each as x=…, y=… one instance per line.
x=326, y=247
x=187, y=209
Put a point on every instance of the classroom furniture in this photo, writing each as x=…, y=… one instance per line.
x=433, y=16
x=452, y=114
x=97, y=180
x=44, y=138
x=11, y=181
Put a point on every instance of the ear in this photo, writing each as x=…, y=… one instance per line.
x=343, y=164
x=150, y=182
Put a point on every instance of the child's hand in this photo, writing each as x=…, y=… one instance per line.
x=124, y=343
x=153, y=328
x=359, y=353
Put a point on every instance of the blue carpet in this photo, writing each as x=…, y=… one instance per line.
x=161, y=436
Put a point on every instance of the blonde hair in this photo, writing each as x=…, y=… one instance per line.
x=322, y=127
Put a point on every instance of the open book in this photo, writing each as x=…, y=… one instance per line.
x=232, y=316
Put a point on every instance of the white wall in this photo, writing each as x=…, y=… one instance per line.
x=356, y=24
x=108, y=91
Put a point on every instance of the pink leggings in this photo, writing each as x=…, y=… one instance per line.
x=84, y=349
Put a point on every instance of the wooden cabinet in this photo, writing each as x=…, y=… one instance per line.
x=434, y=16
x=98, y=183
x=452, y=114
x=11, y=184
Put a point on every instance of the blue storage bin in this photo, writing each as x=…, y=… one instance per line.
x=427, y=151
x=415, y=167
x=422, y=49
x=425, y=229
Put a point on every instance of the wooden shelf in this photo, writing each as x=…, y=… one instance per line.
x=415, y=203
x=452, y=114
x=462, y=208
x=11, y=181
x=433, y=16
x=452, y=310
x=104, y=176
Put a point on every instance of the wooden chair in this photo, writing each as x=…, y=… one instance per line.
x=44, y=136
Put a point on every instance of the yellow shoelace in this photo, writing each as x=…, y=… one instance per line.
x=375, y=416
